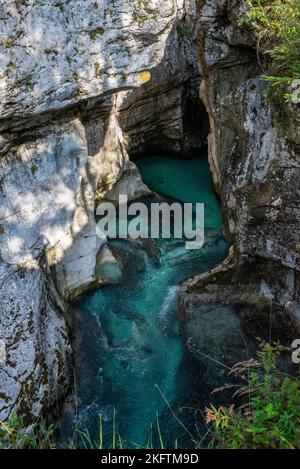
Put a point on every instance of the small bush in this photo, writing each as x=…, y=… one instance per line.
x=277, y=24
x=14, y=435
x=270, y=419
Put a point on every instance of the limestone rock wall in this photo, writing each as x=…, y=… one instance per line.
x=55, y=53
x=74, y=83
x=254, y=156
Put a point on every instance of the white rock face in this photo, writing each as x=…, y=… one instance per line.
x=54, y=53
x=40, y=183
x=34, y=331
x=66, y=71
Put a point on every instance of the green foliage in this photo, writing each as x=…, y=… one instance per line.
x=277, y=24
x=271, y=416
x=14, y=435
x=83, y=439
x=34, y=168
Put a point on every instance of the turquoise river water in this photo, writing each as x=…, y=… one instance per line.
x=131, y=356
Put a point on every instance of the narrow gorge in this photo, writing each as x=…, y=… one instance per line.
x=156, y=100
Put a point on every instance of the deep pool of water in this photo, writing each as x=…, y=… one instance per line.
x=130, y=354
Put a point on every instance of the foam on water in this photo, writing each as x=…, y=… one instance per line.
x=169, y=303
